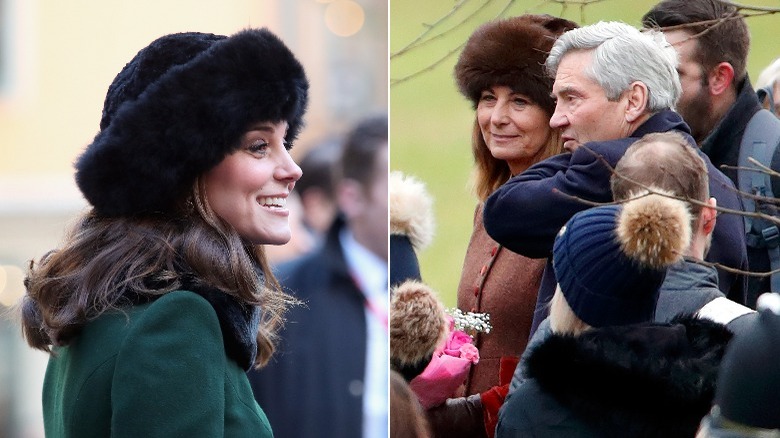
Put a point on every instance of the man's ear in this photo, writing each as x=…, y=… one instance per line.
x=637, y=101
x=708, y=216
x=720, y=78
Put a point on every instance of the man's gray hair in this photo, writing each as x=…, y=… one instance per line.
x=621, y=55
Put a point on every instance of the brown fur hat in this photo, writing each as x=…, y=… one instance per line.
x=511, y=52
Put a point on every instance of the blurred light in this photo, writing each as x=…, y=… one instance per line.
x=11, y=285
x=344, y=17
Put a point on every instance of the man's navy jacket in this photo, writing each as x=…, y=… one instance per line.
x=526, y=213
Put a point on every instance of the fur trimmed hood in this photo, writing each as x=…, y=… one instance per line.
x=178, y=108
x=636, y=380
x=511, y=52
x=411, y=209
x=411, y=225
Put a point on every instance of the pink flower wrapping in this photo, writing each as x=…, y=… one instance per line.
x=446, y=371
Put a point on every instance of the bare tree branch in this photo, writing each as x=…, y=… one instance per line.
x=719, y=209
x=446, y=56
x=754, y=8
x=429, y=28
x=420, y=43
x=743, y=11
x=738, y=271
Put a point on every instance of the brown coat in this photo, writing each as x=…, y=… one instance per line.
x=503, y=284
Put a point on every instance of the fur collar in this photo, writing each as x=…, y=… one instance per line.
x=641, y=380
x=238, y=321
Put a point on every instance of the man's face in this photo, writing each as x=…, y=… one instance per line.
x=582, y=111
x=365, y=206
x=695, y=105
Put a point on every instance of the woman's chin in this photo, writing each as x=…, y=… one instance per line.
x=277, y=238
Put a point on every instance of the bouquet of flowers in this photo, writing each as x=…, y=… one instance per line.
x=430, y=346
x=448, y=368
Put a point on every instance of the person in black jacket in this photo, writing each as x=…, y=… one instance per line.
x=717, y=99
x=607, y=370
x=613, y=85
x=747, y=400
x=330, y=378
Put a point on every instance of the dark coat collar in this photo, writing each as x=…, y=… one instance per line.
x=663, y=121
x=722, y=144
x=653, y=378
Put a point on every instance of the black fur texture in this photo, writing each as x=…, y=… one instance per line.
x=178, y=108
x=650, y=380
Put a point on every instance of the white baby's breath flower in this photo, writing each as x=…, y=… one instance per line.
x=470, y=322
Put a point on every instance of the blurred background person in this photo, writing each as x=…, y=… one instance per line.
x=313, y=203
x=317, y=188
x=768, y=87
x=408, y=418
x=301, y=242
x=332, y=370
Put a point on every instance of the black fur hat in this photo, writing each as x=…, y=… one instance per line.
x=178, y=108
x=511, y=52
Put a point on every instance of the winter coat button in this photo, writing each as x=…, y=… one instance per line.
x=493, y=251
x=483, y=270
x=356, y=388
x=476, y=290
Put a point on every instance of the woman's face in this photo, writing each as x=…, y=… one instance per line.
x=515, y=129
x=248, y=189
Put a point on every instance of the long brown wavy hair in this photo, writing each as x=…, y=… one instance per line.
x=490, y=172
x=102, y=259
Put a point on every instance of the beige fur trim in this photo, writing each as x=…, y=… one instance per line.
x=654, y=230
x=411, y=209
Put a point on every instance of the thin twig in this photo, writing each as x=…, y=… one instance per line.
x=738, y=271
x=755, y=8
x=428, y=68
x=761, y=168
x=468, y=18
x=718, y=209
x=436, y=63
x=429, y=28
x=576, y=2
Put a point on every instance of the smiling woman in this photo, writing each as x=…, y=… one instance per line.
x=151, y=309
x=249, y=188
x=501, y=72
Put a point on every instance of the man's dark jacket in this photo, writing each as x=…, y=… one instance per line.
x=313, y=385
x=722, y=146
x=527, y=212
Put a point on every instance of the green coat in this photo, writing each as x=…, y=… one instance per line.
x=154, y=370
